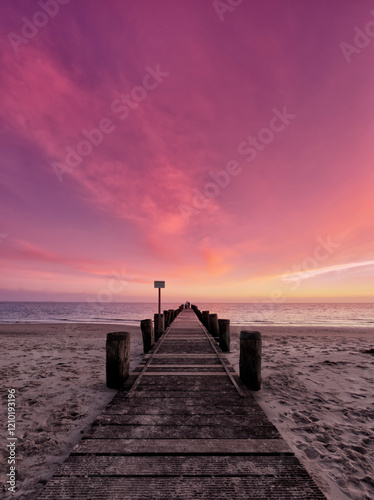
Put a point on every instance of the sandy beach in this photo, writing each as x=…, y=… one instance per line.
x=317, y=390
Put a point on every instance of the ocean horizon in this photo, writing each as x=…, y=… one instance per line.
x=131, y=313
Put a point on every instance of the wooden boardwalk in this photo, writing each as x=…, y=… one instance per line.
x=185, y=427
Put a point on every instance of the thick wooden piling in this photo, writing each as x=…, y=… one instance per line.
x=197, y=312
x=166, y=318
x=171, y=315
x=148, y=334
x=159, y=325
x=250, y=359
x=206, y=319
x=213, y=325
x=117, y=359
x=224, y=334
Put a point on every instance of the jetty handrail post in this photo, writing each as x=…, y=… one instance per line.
x=224, y=334
x=147, y=334
x=117, y=359
x=213, y=325
x=205, y=319
x=250, y=359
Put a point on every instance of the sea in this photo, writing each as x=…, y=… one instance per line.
x=248, y=314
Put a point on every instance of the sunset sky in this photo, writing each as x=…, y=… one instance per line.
x=234, y=160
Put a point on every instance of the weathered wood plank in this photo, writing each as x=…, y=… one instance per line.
x=176, y=465
x=139, y=488
x=178, y=406
x=188, y=356
x=194, y=366
x=155, y=373
x=174, y=392
x=181, y=432
x=169, y=381
x=170, y=446
x=235, y=420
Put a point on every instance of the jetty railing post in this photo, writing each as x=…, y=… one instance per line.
x=224, y=334
x=117, y=359
x=148, y=334
x=213, y=325
x=205, y=319
x=250, y=359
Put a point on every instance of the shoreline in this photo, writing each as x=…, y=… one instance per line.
x=264, y=328
x=317, y=390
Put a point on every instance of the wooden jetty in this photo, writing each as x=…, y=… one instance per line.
x=184, y=427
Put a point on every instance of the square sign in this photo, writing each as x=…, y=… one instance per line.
x=159, y=284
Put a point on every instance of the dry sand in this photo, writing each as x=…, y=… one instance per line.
x=317, y=389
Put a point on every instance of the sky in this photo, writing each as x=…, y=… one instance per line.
x=225, y=147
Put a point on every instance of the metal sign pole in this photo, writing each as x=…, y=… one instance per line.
x=159, y=285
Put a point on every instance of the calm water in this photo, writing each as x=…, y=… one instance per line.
x=354, y=315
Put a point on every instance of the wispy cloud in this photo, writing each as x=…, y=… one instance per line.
x=304, y=275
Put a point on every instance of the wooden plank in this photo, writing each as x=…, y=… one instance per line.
x=168, y=380
x=176, y=465
x=181, y=432
x=231, y=400
x=153, y=365
x=178, y=355
x=202, y=488
x=180, y=373
x=146, y=406
x=175, y=392
x=171, y=446
x=249, y=419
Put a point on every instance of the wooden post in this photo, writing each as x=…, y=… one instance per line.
x=199, y=314
x=171, y=315
x=159, y=325
x=250, y=359
x=166, y=318
x=213, y=325
x=224, y=334
x=117, y=359
x=206, y=319
x=148, y=334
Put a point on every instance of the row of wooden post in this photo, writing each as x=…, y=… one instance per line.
x=118, y=346
x=250, y=346
x=218, y=328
